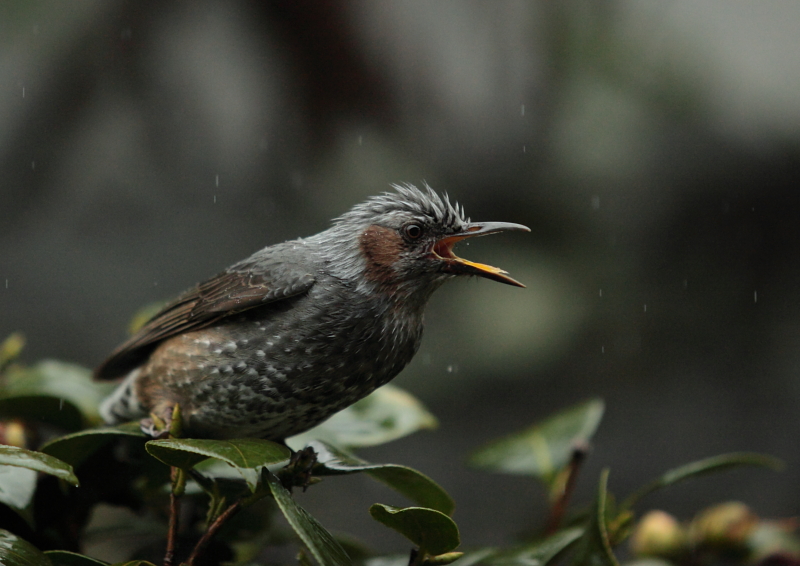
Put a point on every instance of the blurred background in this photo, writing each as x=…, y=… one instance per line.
x=653, y=147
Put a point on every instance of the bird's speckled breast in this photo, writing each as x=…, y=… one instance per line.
x=277, y=370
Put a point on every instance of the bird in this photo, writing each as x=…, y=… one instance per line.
x=282, y=340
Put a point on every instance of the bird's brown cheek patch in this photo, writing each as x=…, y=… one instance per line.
x=382, y=248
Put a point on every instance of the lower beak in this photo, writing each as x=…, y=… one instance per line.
x=443, y=250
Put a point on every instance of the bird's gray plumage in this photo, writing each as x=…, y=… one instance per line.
x=278, y=342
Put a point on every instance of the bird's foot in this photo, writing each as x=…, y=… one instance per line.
x=298, y=472
x=162, y=425
x=152, y=429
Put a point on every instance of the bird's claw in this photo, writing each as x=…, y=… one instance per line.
x=156, y=427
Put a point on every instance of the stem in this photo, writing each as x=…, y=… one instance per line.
x=212, y=530
x=559, y=508
x=174, y=515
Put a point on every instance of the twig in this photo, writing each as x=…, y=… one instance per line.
x=173, y=425
x=559, y=508
x=211, y=531
x=174, y=516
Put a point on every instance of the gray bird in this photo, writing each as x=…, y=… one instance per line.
x=280, y=341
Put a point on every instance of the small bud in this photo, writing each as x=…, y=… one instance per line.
x=725, y=526
x=10, y=348
x=15, y=433
x=772, y=539
x=176, y=424
x=658, y=534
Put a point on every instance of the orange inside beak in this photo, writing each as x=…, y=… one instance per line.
x=443, y=250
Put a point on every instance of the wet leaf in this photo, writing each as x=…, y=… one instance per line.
x=324, y=548
x=594, y=548
x=544, y=449
x=66, y=558
x=538, y=553
x=76, y=447
x=703, y=467
x=415, y=485
x=246, y=455
x=62, y=381
x=432, y=531
x=15, y=551
x=37, y=461
x=387, y=414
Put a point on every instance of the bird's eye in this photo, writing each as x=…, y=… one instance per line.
x=413, y=231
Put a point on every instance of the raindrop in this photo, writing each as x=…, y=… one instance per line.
x=645, y=308
x=602, y=349
x=33, y=166
x=215, y=199
x=61, y=404
x=601, y=292
x=216, y=181
x=360, y=140
x=452, y=368
x=596, y=202
x=522, y=110
x=524, y=149
x=23, y=92
x=755, y=296
x=6, y=283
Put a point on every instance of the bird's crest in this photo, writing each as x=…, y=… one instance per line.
x=408, y=198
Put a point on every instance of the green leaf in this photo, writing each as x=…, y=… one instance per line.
x=443, y=559
x=67, y=558
x=324, y=548
x=538, y=553
x=43, y=408
x=76, y=447
x=62, y=381
x=387, y=414
x=414, y=485
x=246, y=455
x=701, y=468
x=15, y=551
x=432, y=531
x=595, y=546
x=37, y=461
x=134, y=563
x=544, y=449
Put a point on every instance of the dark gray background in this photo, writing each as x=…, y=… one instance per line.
x=651, y=146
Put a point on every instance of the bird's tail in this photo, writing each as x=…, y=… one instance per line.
x=122, y=405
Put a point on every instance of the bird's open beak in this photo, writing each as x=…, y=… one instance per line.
x=443, y=250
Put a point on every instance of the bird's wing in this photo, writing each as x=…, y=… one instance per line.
x=241, y=287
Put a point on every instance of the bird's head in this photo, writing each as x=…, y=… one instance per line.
x=405, y=240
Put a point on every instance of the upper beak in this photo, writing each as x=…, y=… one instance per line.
x=443, y=249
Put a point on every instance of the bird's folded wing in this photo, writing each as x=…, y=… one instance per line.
x=237, y=289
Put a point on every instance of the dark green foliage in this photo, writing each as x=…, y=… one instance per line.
x=64, y=467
